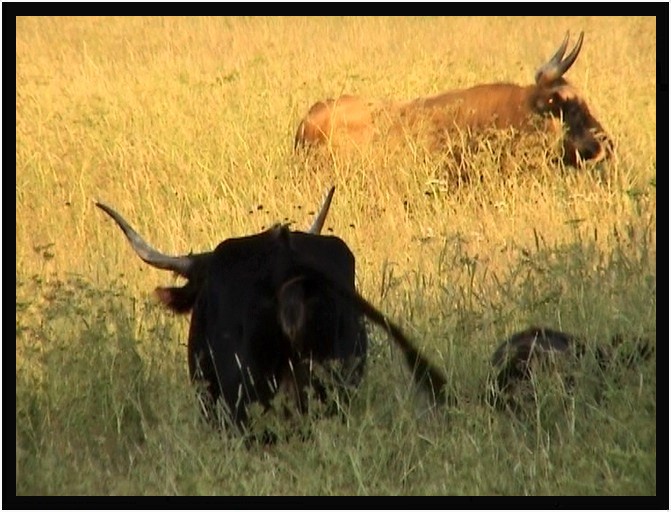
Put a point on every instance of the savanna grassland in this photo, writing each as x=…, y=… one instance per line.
x=186, y=126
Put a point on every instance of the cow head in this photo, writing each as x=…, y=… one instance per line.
x=584, y=137
x=191, y=266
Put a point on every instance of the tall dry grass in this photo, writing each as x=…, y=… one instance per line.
x=185, y=126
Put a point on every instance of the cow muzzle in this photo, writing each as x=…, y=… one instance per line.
x=591, y=148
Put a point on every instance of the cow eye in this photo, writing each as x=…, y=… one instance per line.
x=555, y=100
x=553, y=104
x=548, y=104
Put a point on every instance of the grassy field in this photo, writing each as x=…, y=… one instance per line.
x=186, y=125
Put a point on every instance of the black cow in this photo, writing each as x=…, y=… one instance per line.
x=267, y=309
x=517, y=358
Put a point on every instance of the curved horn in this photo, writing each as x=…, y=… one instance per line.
x=556, y=58
x=182, y=265
x=555, y=68
x=318, y=223
x=564, y=65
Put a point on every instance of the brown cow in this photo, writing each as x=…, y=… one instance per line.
x=551, y=103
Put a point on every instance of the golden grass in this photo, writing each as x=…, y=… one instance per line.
x=185, y=126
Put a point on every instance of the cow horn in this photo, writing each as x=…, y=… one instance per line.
x=556, y=58
x=318, y=223
x=182, y=265
x=556, y=67
x=564, y=65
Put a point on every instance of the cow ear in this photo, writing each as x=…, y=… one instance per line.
x=179, y=299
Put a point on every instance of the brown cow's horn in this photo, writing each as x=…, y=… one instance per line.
x=318, y=223
x=556, y=58
x=180, y=264
x=564, y=65
x=555, y=68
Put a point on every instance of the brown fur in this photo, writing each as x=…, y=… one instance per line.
x=344, y=122
x=498, y=105
x=352, y=121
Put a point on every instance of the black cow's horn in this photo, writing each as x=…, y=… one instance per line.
x=318, y=223
x=182, y=265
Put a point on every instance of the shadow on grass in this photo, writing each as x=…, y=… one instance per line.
x=84, y=391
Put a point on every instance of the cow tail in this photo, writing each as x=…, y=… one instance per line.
x=424, y=372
